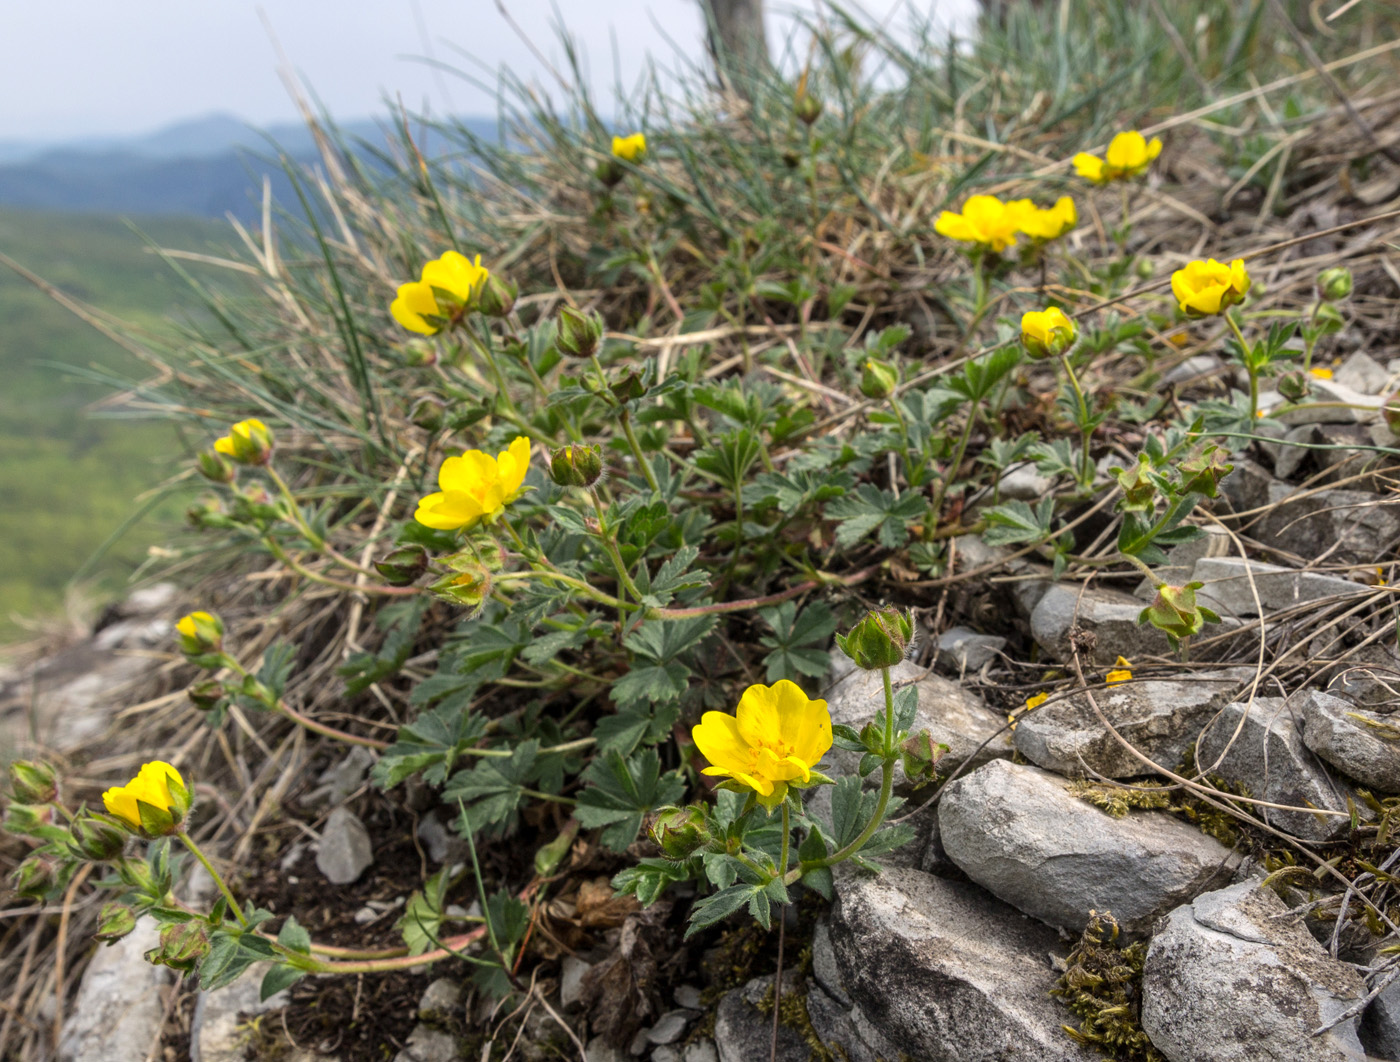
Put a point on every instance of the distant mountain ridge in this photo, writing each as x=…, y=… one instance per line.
x=209, y=166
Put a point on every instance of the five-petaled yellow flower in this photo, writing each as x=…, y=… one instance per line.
x=777, y=736
x=153, y=786
x=475, y=486
x=1049, y=223
x=631, y=148
x=448, y=287
x=1209, y=287
x=985, y=220
x=248, y=442
x=1127, y=156
x=1047, y=332
x=1122, y=673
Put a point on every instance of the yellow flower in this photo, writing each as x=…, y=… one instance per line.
x=158, y=785
x=200, y=632
x=1050, y=223
x=1321, y=374
x=1047, y=332
x=1123, y=673
x=984, y=220
x=448, y=288
x=248, y=442
x=632, y=148
x=777, y=736
x=1209, y=287
x=1127, y=156
x=475, y=486
x=1037, y=700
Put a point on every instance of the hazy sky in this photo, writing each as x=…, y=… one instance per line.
x=87, y=67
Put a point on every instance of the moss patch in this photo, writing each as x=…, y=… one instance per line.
x=1102, y=986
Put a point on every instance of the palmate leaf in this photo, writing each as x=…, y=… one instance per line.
x=798, y=641
x=621, y=792
x=870, y=509
x=421, y=922
x=493, y=788
x=649, y=878
x=1017, y=521
x=431, y=743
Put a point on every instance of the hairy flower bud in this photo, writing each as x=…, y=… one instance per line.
x=402, y=565
x=1174, y=611
x=609, y=172
x=206, y=694
x=1139, y=488
x=576, y=465
x=469, y=585
x=579, y=334
x=249, y=442
x=200, y=633
x=215, y=467
x=33, y=782
x=807, y=108
x=1391, y=412
x=880, y=640
x=420, y=353
x=98, y=840
x=1294, y=386
x=1334, y=283
x=1202, y=473
x=115, y=922
x=878, y=379
x=182, y=945
x=497, y=297
x=680, y=832
x=427, y=413
x=1047, y=333
x=35, y=878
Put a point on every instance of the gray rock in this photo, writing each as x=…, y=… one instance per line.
x=118, y=1011
x=1332, y=402
x=1269, y=757
x=1111, y=614
x=1019, y=833
x=743, y=1033
x=670, y=1027
x=1181, y=561
x=665, y=1053
x=1380, y=1024
x=1023, y=483
x=441, y=1001
x=1362, y=745
x=687, y=996
x=345, y=851
x=1344, y=526
x=441, y=844
x=1287, y=454
x=947, y=972
x=1159, y=717
x=134, y=634
x=154, y=600
x=426, y=1044
x=218, y=1029
x=1193, y=369
x=1233, y=978
x=824, y=967
x=952, y=715
x=599, y=1050
x=700, y=1051
x=1247, y=487
x=1227, y=586
x=845, y=1032
x=571, y=981
x=961, y=650
x=1363, y=374
x=339, y=782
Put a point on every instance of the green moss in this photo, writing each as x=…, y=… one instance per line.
x=1102, y=986
x=1116, y=800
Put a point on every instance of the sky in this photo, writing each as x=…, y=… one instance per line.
x=76, y=68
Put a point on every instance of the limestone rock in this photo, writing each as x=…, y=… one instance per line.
x=441, y=1001
x=1380, y=1024
x=426, y=1044
x=217, y=1029
x=1231, y=978
x=1270, y=758
x=1019, y=833
x=1111, y=614
x=954, y=716
x=345, y=851
x=571, y=981
x=743, y=1033
x=1227, y=586
x=1362, y=374
x=1345, y=526
x=1338, y=732
x=118, y=1010
x=961, y=650
x=948, y=973
x=1160, y=717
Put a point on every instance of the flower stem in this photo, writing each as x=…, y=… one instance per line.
x=787, y=831
x=1086, y=476
x=316, y=577
x=1249, y=368
x=218, y=878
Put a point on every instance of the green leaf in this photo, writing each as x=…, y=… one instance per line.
x=846, y=819
x=421, y=921
x=906, y=707
x=649, y=879
x=871, y=509
x=282, y=975
x=718, y=906
x=493, y=788
x=294, y=936
x=792, y=639
x=813, y=847
x=621, y=792
x=1016, y=521
x=431, y=744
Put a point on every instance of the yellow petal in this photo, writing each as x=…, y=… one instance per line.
x=805, y=724
x=719, y=741
x=757, y=716
x=472, y=472
x=448, y=510
x=512, y=464
x=414, y=300
x=1126, y=151
x=956, y=227
x=1089, y=166
x=119, y=802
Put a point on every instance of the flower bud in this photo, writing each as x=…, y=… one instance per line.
x=609, y=172
x=206, y=694
x=402, y=565
x=878, y=379
x=807, y=108
x=1174, y=612
x=182, y=945
x=215, y=467
x=1139, y=488
x=209, y=513
x=1047, y=333
x=200, y=633
x=249, y=442
x=579, y=334
x=576, y=465
x=137, y=875
x=680, y=832
x=470, y=586
x=427, y=413
x=1334, y=283
x=35, y=878
x=921, y=755
x=1294, y=386
x=420, y=353
x=1202, y=473
x=880, y=640
x=33, y=782
x=497, y=297
x=1391, y=412
x=98, y=840
x=115, y=922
